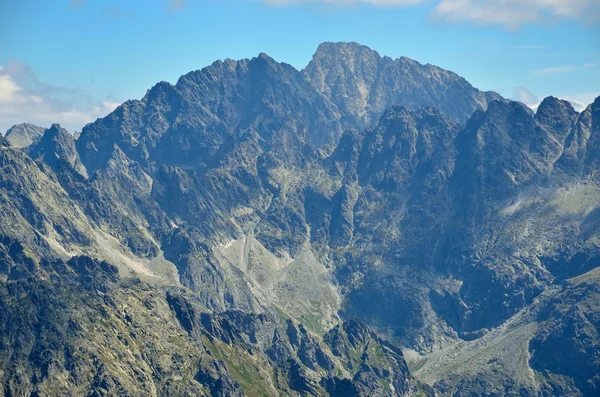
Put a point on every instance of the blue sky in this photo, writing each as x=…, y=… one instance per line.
x=71, y=61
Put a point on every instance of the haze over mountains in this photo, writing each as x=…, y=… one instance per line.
x=365, y=226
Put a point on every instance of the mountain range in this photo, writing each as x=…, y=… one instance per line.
x=364, y=226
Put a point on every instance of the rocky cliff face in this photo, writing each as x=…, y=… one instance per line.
x=4, y=142
x=77, y=328
x=240, y=232
x=55, y=146
x=24, y=135
x=363, y=84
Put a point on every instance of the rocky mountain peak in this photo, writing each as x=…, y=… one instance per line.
x=264, y=57
x=596, y=108
x=592, y=159
x=404, y=142
x=329, y=54
x=363, y=84
x=501, y=150
x=24, y=135
x=159, y=91
x=556, y=116
x=56, y=130
x=512, y=120
x=582, y=143
x=345, y=72
x=265, y=67
x=553, y=103
x=350, y=85
x=57, y=145
x=247, y=231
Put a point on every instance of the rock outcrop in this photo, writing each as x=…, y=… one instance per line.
x=255, y=229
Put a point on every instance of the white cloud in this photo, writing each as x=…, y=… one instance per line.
x=24, y=98
x=582, y=100
x=554, y=70
x=507, y=13
x=514, y=13
x=579, y=101
x=562, y=69
x=9, y=90
x=346, y=2
x=525, y=96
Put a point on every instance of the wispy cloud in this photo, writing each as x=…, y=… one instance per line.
x=525, y=96
x=582, y=100
x=554, y=70
x=25, y=98
x=579, y=101
x=511, y=14
x=561, y=69
x=345, y=2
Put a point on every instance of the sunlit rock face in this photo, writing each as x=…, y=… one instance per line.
x=258, y=229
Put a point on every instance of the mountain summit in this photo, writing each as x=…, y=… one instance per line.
x=363, y=84
x=255, y=230
x=24, y=135
x=346, y=86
